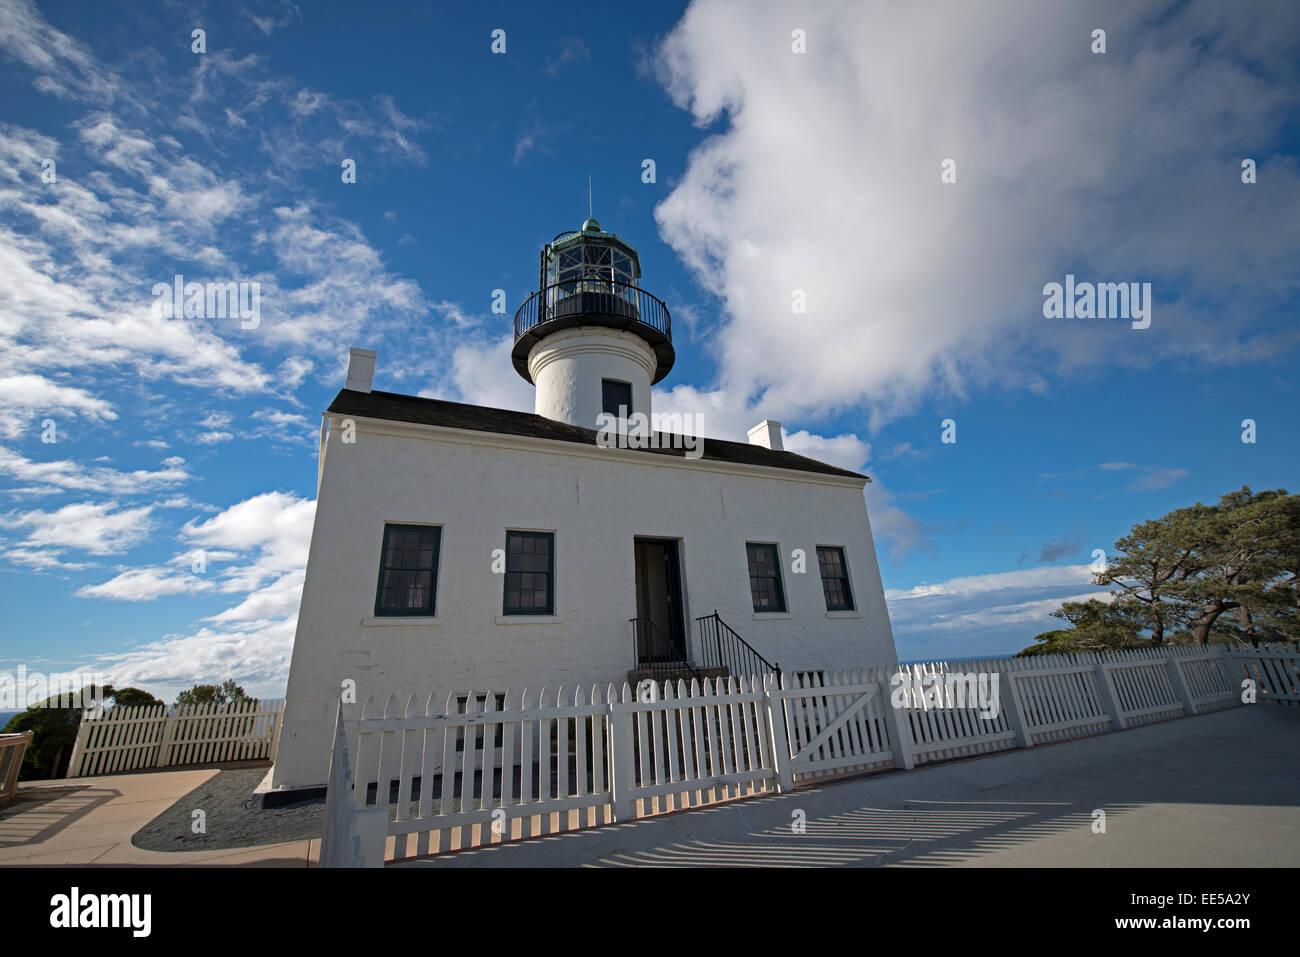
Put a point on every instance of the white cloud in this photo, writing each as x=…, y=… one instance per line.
x=146, y=584
x=280, y=426
x=279, y=599
x=346, y=288
x=917, y=288
x=66, y=68
x=99, y=528
x=943, y=620
x=40, y=559
x=277, y=418
x=262, y=539
x=274, y=526
x=184, y=501
x=266, y=539
x=482, y=375
x=293, y=370
x=1015, y=613
x=216, y=420
x=24, y=397
x=1158, y=478
x=254, y=653
x=70, y=475
x=973, y=585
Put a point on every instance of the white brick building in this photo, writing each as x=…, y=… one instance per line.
x=465, y=549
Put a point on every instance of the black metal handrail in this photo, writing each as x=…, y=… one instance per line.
x=663, y=667
x=721, y=647
x=594, y=298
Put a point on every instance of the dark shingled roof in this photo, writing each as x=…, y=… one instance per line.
x=476, y=418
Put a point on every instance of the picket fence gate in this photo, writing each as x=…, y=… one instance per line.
x=155, y=736
x=493, y=767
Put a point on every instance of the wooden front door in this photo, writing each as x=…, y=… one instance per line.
x=658, y=601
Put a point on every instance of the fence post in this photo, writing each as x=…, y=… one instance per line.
x=169, y=730
x=275, y=732
x=372, y=835
x=900, y=731
x=79, y=745
x=775, y=705
x=620, y=761
x=1231, y=673
x=1106, y=688
x=1180, y=683
x=1016, y=713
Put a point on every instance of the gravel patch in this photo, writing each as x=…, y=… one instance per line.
x=231, y=818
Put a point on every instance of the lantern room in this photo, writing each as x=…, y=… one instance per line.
x=591, y=279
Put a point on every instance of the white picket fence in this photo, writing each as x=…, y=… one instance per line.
x=344, y=828
x=1275, y=671
x=494, y=767
x=155, y=736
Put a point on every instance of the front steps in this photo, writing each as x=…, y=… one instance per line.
x=674, y=671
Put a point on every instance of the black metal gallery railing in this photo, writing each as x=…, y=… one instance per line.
x=720, y=647
x=594, y=299
x=659, y=654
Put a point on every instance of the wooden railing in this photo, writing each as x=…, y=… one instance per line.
x=12, y=749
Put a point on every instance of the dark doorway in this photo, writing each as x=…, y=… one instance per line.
x=660, y=620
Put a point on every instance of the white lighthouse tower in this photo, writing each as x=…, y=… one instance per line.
x=591, y=339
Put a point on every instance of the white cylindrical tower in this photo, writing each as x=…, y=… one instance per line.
x=591, y=339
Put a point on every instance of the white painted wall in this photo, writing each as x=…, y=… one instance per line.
x=567, y=368
x=477, y=485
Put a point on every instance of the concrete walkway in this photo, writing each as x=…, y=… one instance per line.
x=1219, y=790
x=89, y=821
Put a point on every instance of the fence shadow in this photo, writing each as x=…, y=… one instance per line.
x=933, y=833
x=36, y=814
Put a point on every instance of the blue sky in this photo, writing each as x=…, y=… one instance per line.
x=775, y=171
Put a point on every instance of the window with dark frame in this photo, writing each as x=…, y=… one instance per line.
x=408, y=571
x=530, y=573
x=835, y=578
x=765, y=577
x=615, y=395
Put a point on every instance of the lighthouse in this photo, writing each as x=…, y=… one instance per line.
x=590, y=338
x=458, y=548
